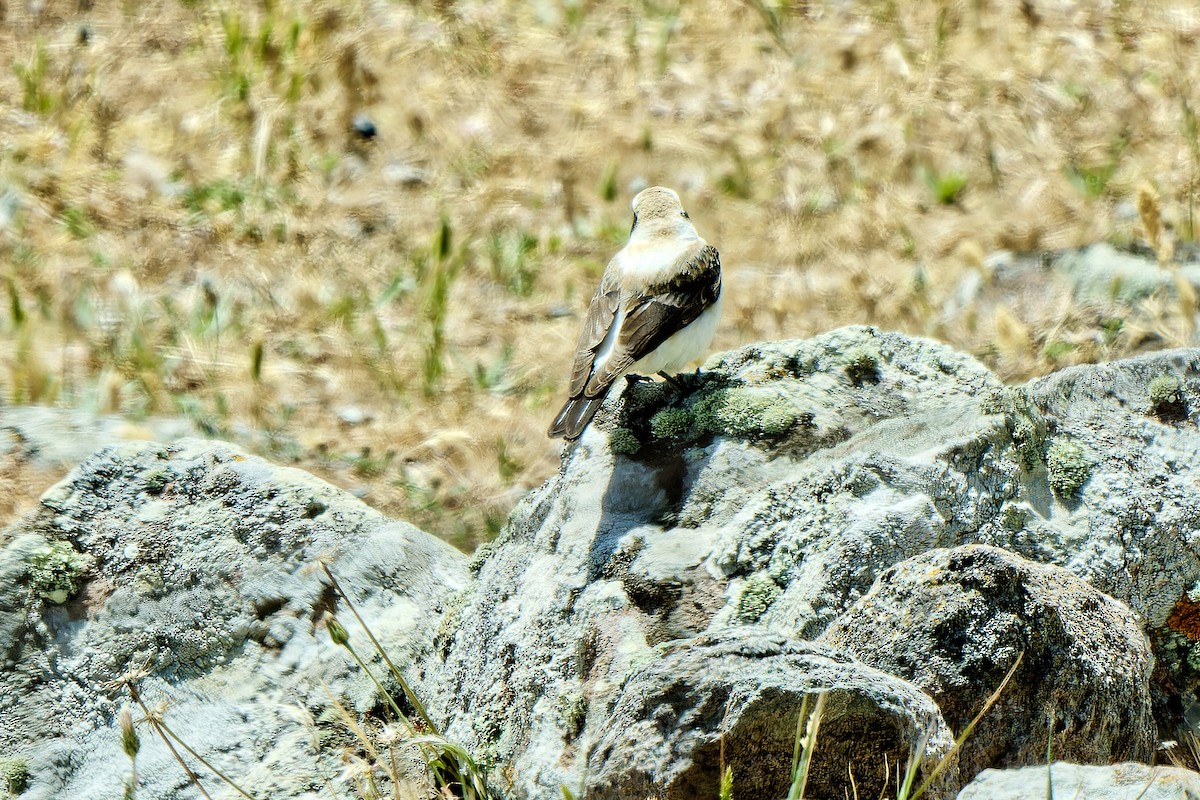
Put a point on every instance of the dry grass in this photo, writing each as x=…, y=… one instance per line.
x=189, y=224
x=21, y=480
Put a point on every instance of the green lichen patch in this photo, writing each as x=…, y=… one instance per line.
x=55, y=570
x=1167, y=400
x=746, y=413
x=572, y=709
x=674, y=423
x=14, y=775
x=1013, y=518
x=1068, y=467
x=644, y=394
x=862, y=365
x=157, y=480
x=624, y=441
x=757, y=595
x=661, y=415
x=1028, y=437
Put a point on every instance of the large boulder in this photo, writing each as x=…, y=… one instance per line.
x=197, y=567
x=954, y=621
x=736, y=701
x=40, y=444
x=774, y=488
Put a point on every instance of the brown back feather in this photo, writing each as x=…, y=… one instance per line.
x=651, y=317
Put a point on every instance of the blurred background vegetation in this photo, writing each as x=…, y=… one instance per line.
x=358, y=236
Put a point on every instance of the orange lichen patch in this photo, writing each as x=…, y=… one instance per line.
x=1185, y=618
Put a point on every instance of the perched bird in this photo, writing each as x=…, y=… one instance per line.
x=655, y=311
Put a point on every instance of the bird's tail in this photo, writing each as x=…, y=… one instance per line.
x=575, y=415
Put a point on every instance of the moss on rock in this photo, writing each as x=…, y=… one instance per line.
x=55, y=569
x=757, y=596
x=674, y=423
x=862, y=365
x=1068, y=466
x=14, y=775
x=624, y=441
x=1167, y=400
x=746, y=413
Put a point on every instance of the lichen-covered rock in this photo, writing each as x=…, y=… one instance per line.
x=55, y=569
x=954, y=621
x=1067, y=467
x=1109, y=782
x=743, y=694
x=775, y=486
x=198, y=566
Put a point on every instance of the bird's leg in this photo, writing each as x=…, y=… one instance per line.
x=678, y=386
x=631, y=377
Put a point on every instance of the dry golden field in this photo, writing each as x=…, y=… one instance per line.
x=190, y=225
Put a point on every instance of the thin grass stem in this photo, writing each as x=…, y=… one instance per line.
x=413, y=700
x=958, y=743
x=205, y=762
x=192, y=776
x=802, y=760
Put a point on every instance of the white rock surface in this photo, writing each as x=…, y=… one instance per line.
x=1128, y=781
x=772, y=493
x=206, y=578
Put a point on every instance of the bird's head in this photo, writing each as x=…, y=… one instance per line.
x=657, y=212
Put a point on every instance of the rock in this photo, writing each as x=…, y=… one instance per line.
x=954, y=621
x=402, y=174
x=1103, y=273
x=198, y=566
x=364, y=127
x=147, y=175
x=353, y=415
x=60, y=438
x=773, y=489
x=692, y=542
x=1112, y=782
x=1097, y=274
x=743, y=693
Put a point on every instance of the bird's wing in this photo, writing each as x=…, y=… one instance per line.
x=622, y=327
x=601, y=316
x=651, y=317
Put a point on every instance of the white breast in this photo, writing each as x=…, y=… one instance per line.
x=683, y=347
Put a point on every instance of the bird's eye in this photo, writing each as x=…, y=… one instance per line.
x=684, y=214
x=634, y=225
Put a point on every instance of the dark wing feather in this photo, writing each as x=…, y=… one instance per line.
x=575, y=415
x=655, y=316
x=577, y=412
x=650, y=319
x=599, y=320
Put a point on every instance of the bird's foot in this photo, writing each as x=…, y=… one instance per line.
x=673, y=381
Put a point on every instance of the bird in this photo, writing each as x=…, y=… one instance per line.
x=655, y=311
